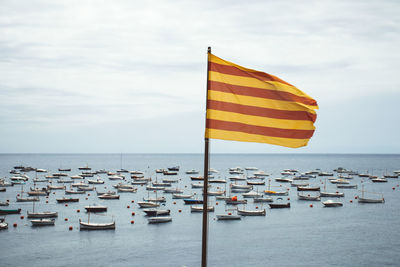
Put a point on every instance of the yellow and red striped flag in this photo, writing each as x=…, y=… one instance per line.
x=252, y=106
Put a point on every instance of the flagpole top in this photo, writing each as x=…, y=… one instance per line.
x=209, y=49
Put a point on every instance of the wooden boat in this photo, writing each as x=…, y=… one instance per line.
x=216, y=193
x=98, y=181
x=245, y=212
x=44, y=214
x=71, y=192
x=279, y=205
x=64, y=200
x=3, y=224
x=293, y=184
x=156, y=212
x=148, y=204
x=96, y=226
x=85, y=188
x=96, y=208
x=197, y=178
x=55, y=187
x=252, y=194
x=308, y=197
x=347, y=186
x=255, y=182
x=262, y=200
x=108, y=196
x=331, y=203
x=108, y=192
x=331, y=194
x=170, y=173
x=173, y=190
x=217, y=181
x=161, y=219
x=169, y=181
x=235, y=201
x=276, y=193
x=2, y=189
x=229, y=216
x=158, y=184
x=43, y=222
x=152, y=188
x=379, y=180
x=308, y=188
x=10, y=211
x=27, y=199
x=182, y=196
x=363, y=199
x=125, y=190
x=339, y=181
x=283, y=180
x=156, y=199
x=200, y=208
x=190, y=201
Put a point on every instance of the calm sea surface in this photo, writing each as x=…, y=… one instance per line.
x=352, y=235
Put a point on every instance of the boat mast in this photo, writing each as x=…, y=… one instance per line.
x=205, y=188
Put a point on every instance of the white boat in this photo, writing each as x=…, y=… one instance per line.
x=245, y=212
x=108, y=196
x=331, y=194
x=96, y=226
x=44, y=214
x=252, y=194
x=332, y=203
x=98, y=181
x=27, y=199
x=156, y=212
x=55, y=187
x=200, y=208
x=173, y=190
x=379, y=180
x=363, y=199
x=182, y=196
x=261, y=200
x=159, y=219
x=275, y=193
x=3, y=224
x=229, y=216
x=241, y=186
x=72, y=192
x=148, y=204
x=216, y=193
x=130, y=190
x=193, y=171
x=308, y=197
x=42, y=222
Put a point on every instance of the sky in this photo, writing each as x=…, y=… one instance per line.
x=127, y=76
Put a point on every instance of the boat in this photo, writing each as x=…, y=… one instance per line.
x=216, y=193
x=108, y=196
x=148, y=204
x=283, y=180
x=347, y=186
x=96, y=208
x=64, y=200
x=42, y=222
x=173, y=190
x=130, y=190
x=27, y=199
x=332, y=203
x=245, y=212
x=152, y=188
x=308, y=197
x=10, y=211
x=64, y=169
x=279, y=205
x=156, y=212
x=308, y=188
x=193, y=171
x=4, y=203
x=227, y=217
x=235, y=201
x=96, y=226
x=76, y=177
x=55, y=187
x=252, y=194
x=262, y=200
x=85, y=188
x=217, y=181
x=339, y=181
x=98, y=181
x=241, y=186
x=363, y=199
x=255, y=182
x=331, y=194
x=276, y=193
x=182, y=196
x=72, y=192
x=196, y=178
x=3, y=224
x=379, y=180
x=85, y=168
x=200, y=208
x=190, y=201
x=169, y=181
x=2, y=189
x=174, y=168
x=156, y=199
x=159, y=219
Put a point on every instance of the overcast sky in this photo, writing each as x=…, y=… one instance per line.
x=130, y=76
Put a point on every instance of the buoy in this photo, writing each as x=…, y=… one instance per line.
x=128, y=207
x=78, y=211
x=311, y=205
x=88, y=194
x=351, y=201
x=17, y=195
x=174, y=202
x=54, y=193
x=66, y=205
x=180, y=210
x=133, y=214
x=47, y=196
x=8, y=200
x=66, y=219
x=256, y=207
x=288, y=198
x=86, y=198
x=216, y=203
x=132, y=201
x=229, y=213
x=393, y=188
x=47, y=201
x=15, y=225
x=185, y=186
x=154, y=191
x=22, y=217
x=355, y=197
x=70, y=228
x=132, y=222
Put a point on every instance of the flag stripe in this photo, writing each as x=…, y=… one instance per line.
x=263, y=112
x=258, y=92
x=234, y=70
x=243, y=137
x=255, y=83
x=256, y=102
x=259, y=121
x=260, y=130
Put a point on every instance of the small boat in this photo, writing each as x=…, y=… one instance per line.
x=193, y=171
x=76, y=177
x=96, y=226
x=148, y=204
x=241, y=186
x=4, y=203
x=331, y=203
x=262, y=200
x=3, y=224
x=174, y=168
x=10, y=211
x=169, y=181
x=308, y=188
x=252, y=194
x=363, y=199
x=170, y=173
x=347, y=186
x=161, y=219
x=193, y=201
x=331, y=194
x=216, y=193
x=38, y=192
x=98, y=181
x=279, y=205
x=64, y=170
x=173, y=190
x=158, y=184
x=103, y=193
x=108, y=196
x=130, y=190
x=229, y=216
x=308, y=197
x=85, y=188
x=200, y=208
x=276, y=193
x=44, y=214
x=55, y=187
x=156, y=199
x=197, y=178
x=152, y=188
x=64, y=200
x=2, y=189
x=43, y=222
x=255, y=182
x=95, y=208
x=339, y=181
x=85, y=168
x=72, y=192
x=125, y=186
x=217, y=181
x=156, y=212
x=379, y=180
x=245, y=212
x=182, y=196
x=283, y=180
x=27, y=199
x=116, y=177
x=233, y=201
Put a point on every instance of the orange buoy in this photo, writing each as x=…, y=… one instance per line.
x=311, y=205
x=174, y=202
x=70, y=228
x=133, y=214
x=66, y=205
x=78, y=211
x=229, y=213
x=180, y=210
x=256, y=207
x=15, y=225
x=66, y=219
x=216, y=203
x=132, y=222
x=132, y=201
x=128, y=207
x=22, y=217
x=351, y=201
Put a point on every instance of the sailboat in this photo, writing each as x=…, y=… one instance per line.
x=25, y=199
x=44, y=214
x=363, y=199
x=269, y=192
x=95, y=226
x=330, y=194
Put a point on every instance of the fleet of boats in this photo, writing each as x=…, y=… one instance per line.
x=244, y=191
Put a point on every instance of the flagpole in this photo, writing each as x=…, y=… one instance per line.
x=205, y=183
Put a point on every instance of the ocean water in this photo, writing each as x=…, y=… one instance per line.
x=352, y=235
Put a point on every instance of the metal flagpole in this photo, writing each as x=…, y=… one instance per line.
x=205, y=188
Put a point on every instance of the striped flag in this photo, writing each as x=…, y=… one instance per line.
x=252, y=106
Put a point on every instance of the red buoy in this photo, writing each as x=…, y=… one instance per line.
x=132, y=222
x=15, y=225
x=311, y=205
x=133, y=214
x=128, y=207
x=132, y=201
x=355, y=197
x=180, y=210
x=78, y=211
x=216, y=203
x=351, y=201
x=47, y=201
x=66, y=205
x=256, y=207
x=229, y=213
x=393, y=188
x=22, y=217
x=88, y=194
x=288, y=198
x=174, y=202
x=86, y=198
x=66, y=219
x=70, y=228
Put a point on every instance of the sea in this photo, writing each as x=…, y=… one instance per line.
x=307, y=234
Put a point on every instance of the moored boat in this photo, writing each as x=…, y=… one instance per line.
x=42, y=222
x=159, y=219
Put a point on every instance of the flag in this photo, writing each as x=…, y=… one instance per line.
x=252, y=106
